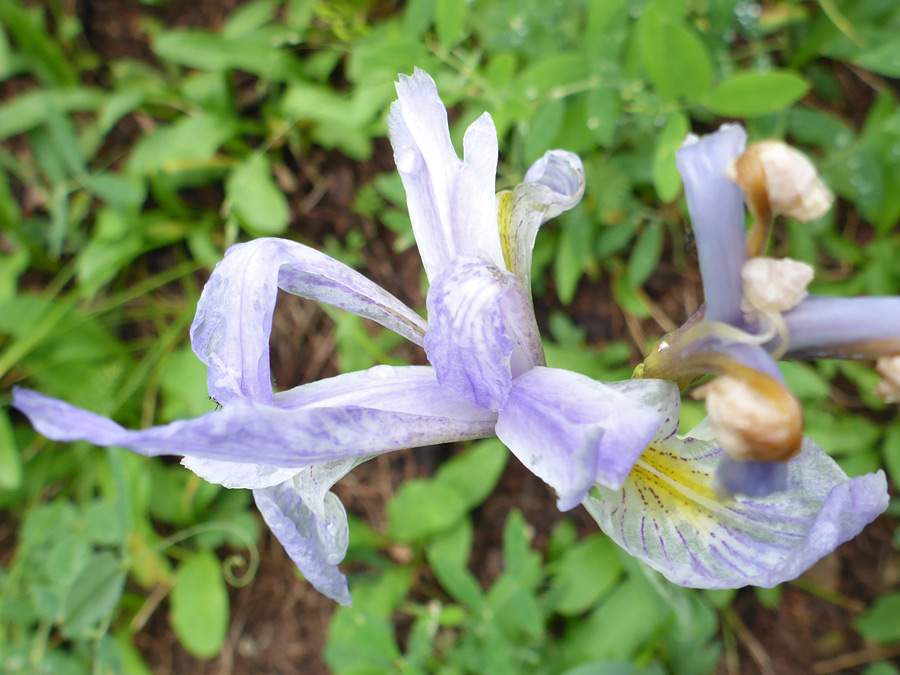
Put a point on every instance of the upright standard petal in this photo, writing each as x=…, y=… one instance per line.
x=481, y=331
x=315, y=539
x=245, y=431
x=844, y=328
x=573, y=432
x=451, y=203
x=667, y=515
x=553, y=184
x=231, y=330
x=716, y=205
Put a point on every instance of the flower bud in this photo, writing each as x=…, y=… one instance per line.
x=889, y=369
x=772, y=285
x=776, y=178
x=760, y=422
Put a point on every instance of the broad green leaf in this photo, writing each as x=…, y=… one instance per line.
x=645, y=255
x=28, y=110
x=424, y=507
x=94, y=595
x=44, y=52
x=881, y=622
x=449, y=21
x=673, y=57
x=180, y=145
x=198, y=605
x=360, y=642
x=257, y=200
x=753, y=94
x=666, y=179
x=206, y=51
x=586, y=571
x=883, y=59
x=448, y=555
x=10, y=460
x=543, y=126
x=638, y=615
x=891, y=450
x=474, y=472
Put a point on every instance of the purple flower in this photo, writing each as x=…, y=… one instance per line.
x=781, y=516
x=488, y=374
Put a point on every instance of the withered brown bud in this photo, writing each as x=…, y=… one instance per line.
x=889, y=369
x=753, y=421
x=777, y=179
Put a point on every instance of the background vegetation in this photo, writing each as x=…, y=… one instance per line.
x=140, y=140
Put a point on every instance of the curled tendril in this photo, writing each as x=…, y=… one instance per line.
x=232, y=562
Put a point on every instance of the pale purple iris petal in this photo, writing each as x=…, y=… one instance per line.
x=553, y=184
x=237, y=474
x=862, y=327
x=231, y=330
x=668, y=516
x=316, y=542
x=263, y=434
x=481, y=331
x=659, y=396
x=716, y=205
x=451, y=202
x=572, y=431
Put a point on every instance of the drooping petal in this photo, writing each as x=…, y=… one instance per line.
x=667, y=515
x=716, y=205
x=245, y=431
x=315, y=538
x=553, y=184
x=481, y=331
x=237, y=474
x=572, y=431
x=451, y=202
x=844, y=328
x=231, y=330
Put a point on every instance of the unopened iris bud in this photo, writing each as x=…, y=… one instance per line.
x=889, y=387
x=772, y=285
x=753, y=422
x=777, y=179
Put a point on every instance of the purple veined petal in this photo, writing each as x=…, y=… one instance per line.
x=315, y=541
x=481, y=331
x=573, y=432
x=553, y=184
x=668, y=516
x=246, y=431
x=237, y=474
x=716, y=205
x=451, y=202
x=862, y=327
x=231, y=330
x=660, y=396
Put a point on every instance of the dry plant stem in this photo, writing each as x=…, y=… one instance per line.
x=853, y=659
x=149, y=606
x=754, y=647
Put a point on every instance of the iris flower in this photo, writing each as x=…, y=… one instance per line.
x=487, y=373
x=671, y=512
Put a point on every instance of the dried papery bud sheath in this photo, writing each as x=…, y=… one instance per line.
x=754, y=420
x=772, y=285
x=889, y=369
x=777, y=179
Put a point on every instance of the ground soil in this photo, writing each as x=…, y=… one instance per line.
x=278, y=622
